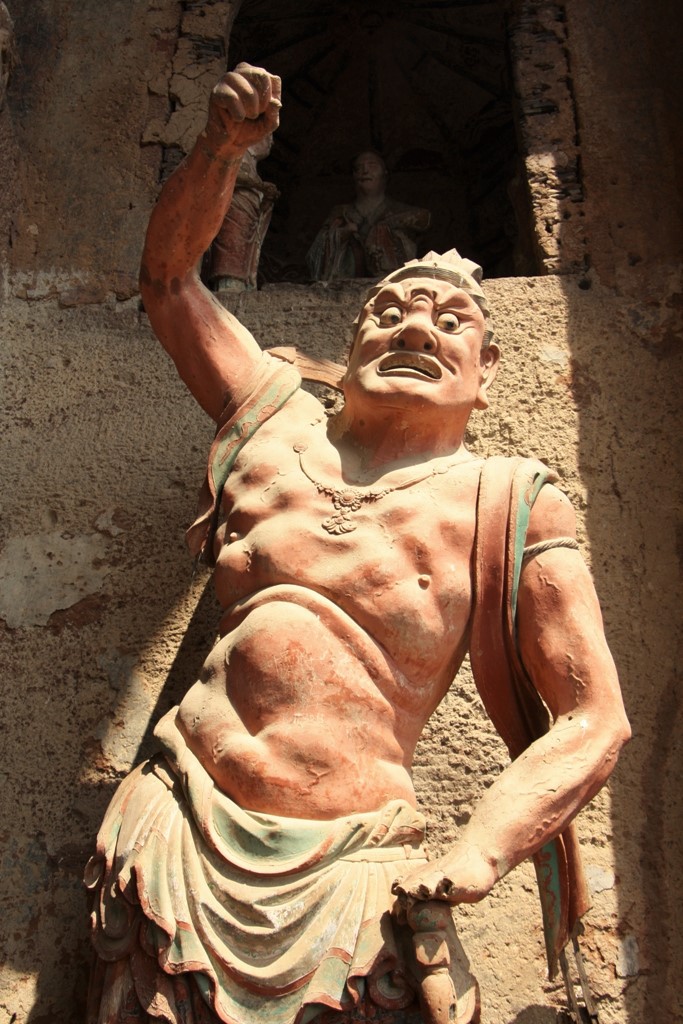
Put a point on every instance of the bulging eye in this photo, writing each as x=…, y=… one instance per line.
x=391, y=316
x=447, y=322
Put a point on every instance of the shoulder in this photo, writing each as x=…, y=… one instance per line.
x=301, y=407
x=505, y=479
x=552, y=515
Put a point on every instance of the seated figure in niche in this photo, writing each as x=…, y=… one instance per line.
x=236, y=250
x=371, y=236
x=268, y=865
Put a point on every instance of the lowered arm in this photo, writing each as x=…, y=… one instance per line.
x=563, y=647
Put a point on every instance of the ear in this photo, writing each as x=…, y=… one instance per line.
x=355, y=327
x=489, y=360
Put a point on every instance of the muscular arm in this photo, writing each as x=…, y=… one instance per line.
x=563, y=648
x=214, y=354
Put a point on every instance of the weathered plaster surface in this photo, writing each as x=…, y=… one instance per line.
x=630, y=107
x=82, y=190
x=48, y=572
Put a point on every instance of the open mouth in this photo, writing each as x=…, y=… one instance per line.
x=410, y=364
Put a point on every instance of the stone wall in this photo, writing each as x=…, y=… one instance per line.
x=103, y=625
x=100, y=107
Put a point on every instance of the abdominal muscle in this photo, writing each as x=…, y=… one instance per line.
x=299, y=713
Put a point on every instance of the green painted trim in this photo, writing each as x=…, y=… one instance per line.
x=547, y=865
x=523, y=515
x=550, y=895
x=245, y=427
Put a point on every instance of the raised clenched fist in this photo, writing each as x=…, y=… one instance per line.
x=244, y=107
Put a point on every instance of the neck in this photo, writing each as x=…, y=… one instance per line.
x=384, y=437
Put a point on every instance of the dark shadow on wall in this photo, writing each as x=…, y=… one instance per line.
x=537, y=1015
x=622, y=217
x=624, y=378
x=628, y=408
x=196, y=642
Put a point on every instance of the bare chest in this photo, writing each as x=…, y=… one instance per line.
x=394, y=554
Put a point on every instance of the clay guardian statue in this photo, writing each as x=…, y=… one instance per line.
x=268, y=864
x=372, y=235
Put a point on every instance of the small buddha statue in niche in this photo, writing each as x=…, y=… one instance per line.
x=371, y=236
x=235, y=252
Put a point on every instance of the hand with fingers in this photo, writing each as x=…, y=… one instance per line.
x=244, y=108
x=464, y=875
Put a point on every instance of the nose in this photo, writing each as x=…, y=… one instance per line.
x=417, y=334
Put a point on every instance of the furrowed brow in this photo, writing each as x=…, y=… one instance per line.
x=392, y=293
x=457, y=299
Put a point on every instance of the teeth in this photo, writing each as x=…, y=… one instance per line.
x=410, y=362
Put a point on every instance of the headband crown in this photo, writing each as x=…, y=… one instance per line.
x=448, y=266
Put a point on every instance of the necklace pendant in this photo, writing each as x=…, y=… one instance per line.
x=339, y=523
x=347, y=500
